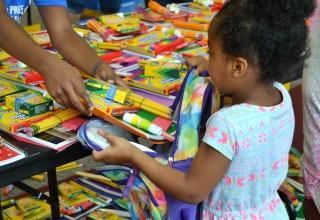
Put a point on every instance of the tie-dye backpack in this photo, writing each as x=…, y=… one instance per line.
x=193, y=106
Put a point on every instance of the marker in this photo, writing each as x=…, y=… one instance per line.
x=7, y=203
x=7, y=189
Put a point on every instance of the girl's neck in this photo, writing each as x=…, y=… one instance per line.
x=262, y=95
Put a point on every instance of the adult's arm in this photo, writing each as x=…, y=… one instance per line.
x=63, y=81
x=72, y=47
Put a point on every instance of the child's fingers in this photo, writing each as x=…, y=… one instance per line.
x=98, y=156
x=103, y=133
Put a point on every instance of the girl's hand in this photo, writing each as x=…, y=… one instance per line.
x=104, y=72
x=199, y=62
x=120, y=150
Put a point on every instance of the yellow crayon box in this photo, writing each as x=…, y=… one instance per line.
x=29, y=103
x=8, y=88
x=111, y=107
x=164, y=69
x=164, y=86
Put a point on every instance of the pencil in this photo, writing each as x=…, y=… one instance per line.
x=191, y=25
x=7, y=203
x=185, y=33
x=139, y=100
x=148, y=104
x=68, y=168
x=54, y=120
x=158, y=8
x=105, y=44
x=154, y=111
x=98, y=178
x=67, y=165
x=37, y=177
x=98, y=27
x=84, y=189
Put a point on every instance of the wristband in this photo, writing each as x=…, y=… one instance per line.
x=94, y=69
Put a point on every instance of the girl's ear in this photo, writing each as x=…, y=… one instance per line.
x=240, y=67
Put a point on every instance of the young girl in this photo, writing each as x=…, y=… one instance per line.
x=243, y=157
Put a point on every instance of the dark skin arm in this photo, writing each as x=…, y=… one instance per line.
x=207, y=169
x=63, y=81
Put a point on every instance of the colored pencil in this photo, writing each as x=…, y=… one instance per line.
x=54, y=120
x=98, y=27
x=158, y=8
x=191, y=25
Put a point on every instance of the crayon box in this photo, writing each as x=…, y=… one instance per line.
x=164, y=86
x=29, y=103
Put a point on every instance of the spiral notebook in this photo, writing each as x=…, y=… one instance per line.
x=9, y=153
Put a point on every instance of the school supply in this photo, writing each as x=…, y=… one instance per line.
x=200, y=51
x=145, y=200
x=164, y=69
x=8, y=88
x=109, y=106
x=28, y=208
x=103, y=215
x=75, y=203
x=155, y=6
x=118, y=94
x=21, y=75
x=96, y=26
x=147, y=15
x=155, y=43
x=55, y=138
x=7, y=189
x=146, y=125
x=294, y=162
x=57, y=118
x=165, y=86
x=37, y=177
x=181, y=32
x=203, y=17
x=29, y=103
x=4, y=55
x=166, y=12
x=42, y=38
x=121, y=24
x=191, y=25
x=9, y=153
x=7, y=203
x=12, y=121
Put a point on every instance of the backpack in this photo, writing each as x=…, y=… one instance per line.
x=192, y=106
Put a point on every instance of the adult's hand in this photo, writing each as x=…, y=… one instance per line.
x=104, y=72
x=66, y=86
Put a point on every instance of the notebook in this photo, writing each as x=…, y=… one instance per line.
x=9, y=153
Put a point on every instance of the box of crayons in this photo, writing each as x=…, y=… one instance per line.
x=12, y=121
x=8, y=88
x=155, y=43
x=164, y=69
x=111, y=107
x=29, y=103
x=164, y=86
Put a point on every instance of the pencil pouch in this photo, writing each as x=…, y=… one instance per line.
x=89, y=137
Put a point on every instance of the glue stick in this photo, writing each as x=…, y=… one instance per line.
x=142, y=123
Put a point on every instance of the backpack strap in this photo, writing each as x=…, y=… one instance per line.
x=193, y=101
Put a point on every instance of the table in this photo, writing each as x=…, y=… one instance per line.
x=40, y=160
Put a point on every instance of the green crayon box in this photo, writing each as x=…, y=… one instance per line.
x=29, y=103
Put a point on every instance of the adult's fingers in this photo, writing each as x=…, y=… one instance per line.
x=76, y=90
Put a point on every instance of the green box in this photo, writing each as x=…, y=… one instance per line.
x=29, y=103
